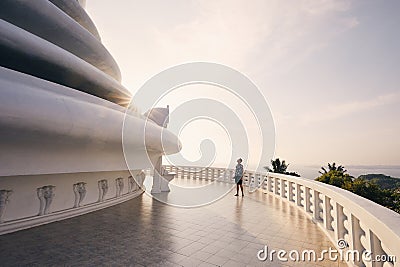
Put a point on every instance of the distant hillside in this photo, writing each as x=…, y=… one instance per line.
x=384, y=181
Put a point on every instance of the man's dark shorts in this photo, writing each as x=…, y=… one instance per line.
x=240, y=182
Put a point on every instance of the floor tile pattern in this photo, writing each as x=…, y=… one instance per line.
x=145, y=232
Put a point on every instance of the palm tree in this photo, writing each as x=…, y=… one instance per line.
x=278, y=166
x=332, y=167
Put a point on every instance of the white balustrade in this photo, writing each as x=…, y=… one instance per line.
x=342, y=215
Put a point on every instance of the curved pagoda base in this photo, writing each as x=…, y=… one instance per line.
x=32, y=200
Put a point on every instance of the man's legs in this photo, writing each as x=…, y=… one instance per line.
x=241, y=187
x=237, y=189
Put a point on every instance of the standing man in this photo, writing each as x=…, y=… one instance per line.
x=239, y=177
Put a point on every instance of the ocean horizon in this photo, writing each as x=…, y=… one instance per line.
x=311, y=171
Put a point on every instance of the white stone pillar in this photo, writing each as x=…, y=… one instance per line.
x=156, y=188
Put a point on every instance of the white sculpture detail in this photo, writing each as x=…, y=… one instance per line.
x=132, y=184
x=103, y=189
x=45, y=195
x=161, y=178
x=140, y=178
x=166, y=177
x=119, y=183
x=80, y=193
x=4, y=199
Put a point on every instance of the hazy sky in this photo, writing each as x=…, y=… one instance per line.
x=330, y=70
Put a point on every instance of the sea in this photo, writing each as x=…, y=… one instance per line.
x=311, y=171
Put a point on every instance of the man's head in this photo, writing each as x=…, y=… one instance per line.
x=239, y=160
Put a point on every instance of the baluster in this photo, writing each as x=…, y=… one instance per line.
x=249, y=180
x=355, y=233
x=283, y=188
x=298, y=195
x=260, y=178
x=328, y=219
x=290, y=191
x=265, y=182
x=347, y=228
x=376, y=248
x=316, y=206
x=366, y=241
x=276, y=181
x=269, y=184
x=307, y=199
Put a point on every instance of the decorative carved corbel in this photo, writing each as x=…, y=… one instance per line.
x=46, y=196
x=119, y=183
x=103, y=189
x=4, y=199
x=80, y=193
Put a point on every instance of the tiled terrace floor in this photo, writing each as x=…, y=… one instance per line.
x=145, y=232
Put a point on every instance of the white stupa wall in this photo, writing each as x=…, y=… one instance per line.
x=62, y=111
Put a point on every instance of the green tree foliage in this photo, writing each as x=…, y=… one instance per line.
x=396, y=200
x=335, y=177
x=367, y=188
x=279, y=166
x=384, y=181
